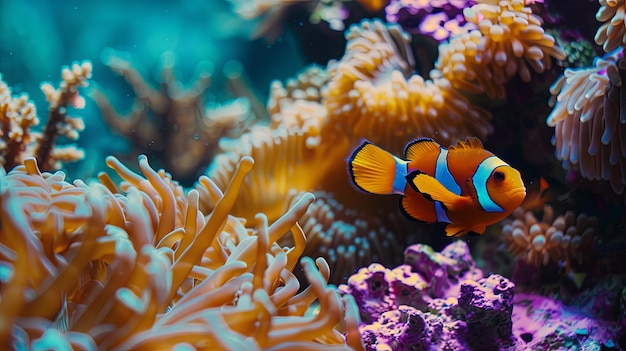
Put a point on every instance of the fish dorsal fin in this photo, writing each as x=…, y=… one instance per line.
x=469, y=143
x=419, y=147
x=432, y=189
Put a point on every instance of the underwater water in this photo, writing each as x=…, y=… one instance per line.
x=245, y=175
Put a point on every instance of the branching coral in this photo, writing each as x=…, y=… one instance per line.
x=172, y=122
x=18, y=116
x=373, y=93
x=566, y=238
x=612, y=33
x=509, y=41
x=138, y=266
x=589, y=120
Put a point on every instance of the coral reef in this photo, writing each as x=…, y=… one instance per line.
x=589, y=121
x=436, y=19
x=442, y=301
x=347, y=238
x=611, y=34
x=543, y=323
x=567, y=238
x=509, y=41
x=138, y=266
x=374, y=94
x=18, y=116
x=172, y=122
x=247, y=257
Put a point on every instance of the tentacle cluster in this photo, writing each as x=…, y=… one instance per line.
x=566, y=238
x=589, y=117
x=137, y=265
x=509, y=42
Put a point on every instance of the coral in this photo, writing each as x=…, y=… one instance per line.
x=407, y=328
x=611, y=34
x=542, y=323
x=589, y=122
x=138, y=266
x=307, y=85
x=299, y=103
x=488, y=305
x=18, y=115
x=566, y=238
x=436, y=19
x=285, y=158
x=435, y=300
x=424, y=276
x=509, y=42
x=400, y=310
x=346, y=238
x=579, y=51
x=374, y=94
x=171, y=123
x=603, y=299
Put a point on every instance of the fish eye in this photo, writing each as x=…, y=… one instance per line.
x=498, y=176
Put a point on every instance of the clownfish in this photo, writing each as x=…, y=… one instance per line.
x=464, y=185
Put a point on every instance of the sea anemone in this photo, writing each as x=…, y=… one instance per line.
x=136, y=265
x=298, y=103
x=611, y=34
x=509, y=41
x=589, y=120
x=287, y=160
x=374, y=94
x=347, y=238
x=566, y=238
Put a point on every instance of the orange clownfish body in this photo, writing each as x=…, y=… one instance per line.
x=464, y=185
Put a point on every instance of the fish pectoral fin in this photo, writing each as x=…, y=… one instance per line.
x=432, y=189
x=456, y=231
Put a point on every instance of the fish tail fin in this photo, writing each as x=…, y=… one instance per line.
x=373, y=169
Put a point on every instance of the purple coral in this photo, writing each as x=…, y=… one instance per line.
x=436, y=19
x=488, y=305
x=440, y=300
x=403, y=329
x=370, y=288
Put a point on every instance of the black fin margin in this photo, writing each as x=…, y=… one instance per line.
x=415, y=141
x=409, y=178
x=406, y=214
x=363, y=144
